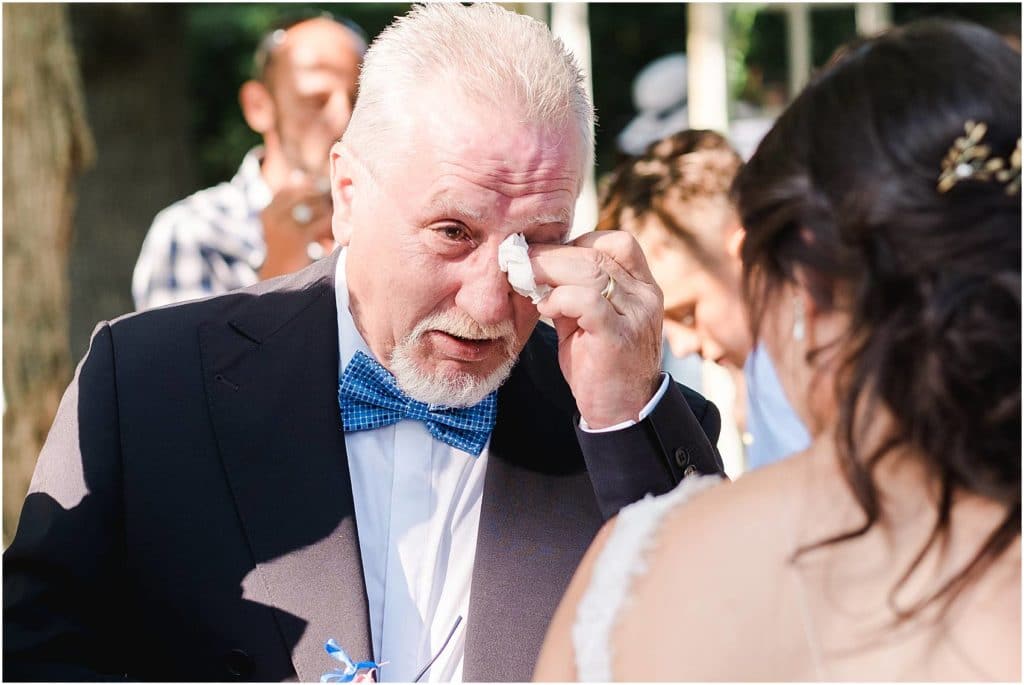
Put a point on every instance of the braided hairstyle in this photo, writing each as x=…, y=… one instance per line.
x=683, y=180
x=845, y=189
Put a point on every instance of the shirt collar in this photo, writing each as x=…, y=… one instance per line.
x=249, y=180
x=350, y=340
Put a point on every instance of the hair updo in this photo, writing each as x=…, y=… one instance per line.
x=845, y=188
x=683, y=181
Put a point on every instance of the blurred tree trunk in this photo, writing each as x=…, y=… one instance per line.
x=135, y=78
x=46, y=144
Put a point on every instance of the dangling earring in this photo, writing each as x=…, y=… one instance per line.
x=798, y=318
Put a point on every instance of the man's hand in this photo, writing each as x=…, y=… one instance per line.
x=609, y=348
x=298, y=215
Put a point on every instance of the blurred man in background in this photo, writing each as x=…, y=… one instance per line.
x=675, y=199
x=273, y=217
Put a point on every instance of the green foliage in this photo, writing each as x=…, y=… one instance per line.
x=830, y=28
x=999, y=16
x=766, y=51
x=740, y=20
x=625, y=37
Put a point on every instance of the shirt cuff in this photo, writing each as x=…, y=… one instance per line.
x=644, y=413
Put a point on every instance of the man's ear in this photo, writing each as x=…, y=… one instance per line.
x=342, y=192
x=257, y=106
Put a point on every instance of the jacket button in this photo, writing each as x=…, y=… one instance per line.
x=682, y=457
x=238, y=664
x=691, y=470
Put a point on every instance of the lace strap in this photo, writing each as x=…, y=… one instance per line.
x=621, y=560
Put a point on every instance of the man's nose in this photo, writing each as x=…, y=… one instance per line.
x=485, y=293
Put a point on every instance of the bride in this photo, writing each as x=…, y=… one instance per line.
x=882, y=270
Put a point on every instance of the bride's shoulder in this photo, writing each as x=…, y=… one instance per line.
x=655, y=507
x=714, y=568
x=713, y=531
x=759, y=508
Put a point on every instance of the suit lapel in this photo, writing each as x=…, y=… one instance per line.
x=270, y=372
x=538, y=516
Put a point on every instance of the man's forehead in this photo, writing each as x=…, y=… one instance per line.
x=319, y=46
x=311, y=57
x=329, y=34
x=533, y=148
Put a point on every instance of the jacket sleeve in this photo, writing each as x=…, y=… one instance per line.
x=63, y=576
x=674, y=441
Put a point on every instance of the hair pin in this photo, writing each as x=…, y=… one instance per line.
x=969, y=159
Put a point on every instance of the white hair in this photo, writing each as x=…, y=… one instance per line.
x=489, y=55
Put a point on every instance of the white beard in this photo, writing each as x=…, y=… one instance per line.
x=451, y=389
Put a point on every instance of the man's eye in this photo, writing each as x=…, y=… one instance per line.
x=318, y=101
x=454, y=233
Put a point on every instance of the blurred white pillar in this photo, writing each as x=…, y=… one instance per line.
x=537, y=10
x=798, y=40
x=873, y=17
x=707, y=81
x=570, y=23
x=708, y=107
x=717, y=386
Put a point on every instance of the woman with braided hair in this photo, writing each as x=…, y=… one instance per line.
x=674, y=198
x=881, y=269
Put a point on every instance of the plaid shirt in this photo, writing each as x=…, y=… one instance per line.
x=209, y=243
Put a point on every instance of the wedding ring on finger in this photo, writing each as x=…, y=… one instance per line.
x=302, y=213
x=608, y=289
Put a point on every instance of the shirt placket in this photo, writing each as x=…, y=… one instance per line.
x=405, y=620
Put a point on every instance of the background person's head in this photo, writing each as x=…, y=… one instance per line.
x=302, y=92
x=675, y=199
x=455, y=144
x=890, y=301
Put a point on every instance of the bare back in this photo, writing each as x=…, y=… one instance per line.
x=722, y=599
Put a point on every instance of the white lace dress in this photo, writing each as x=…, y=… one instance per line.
x=621, y=561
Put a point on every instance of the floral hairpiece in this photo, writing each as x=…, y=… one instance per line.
x=1011, y=175
x=968, y=159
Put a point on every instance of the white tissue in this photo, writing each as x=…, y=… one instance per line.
x=514, y=260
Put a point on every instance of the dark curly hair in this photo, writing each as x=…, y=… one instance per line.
x=683, y=180
x=844, y=189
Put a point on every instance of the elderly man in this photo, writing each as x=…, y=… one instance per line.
x=214, y=502
x=274, y=215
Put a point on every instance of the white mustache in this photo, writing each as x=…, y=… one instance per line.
x=461, y=390
x=462, y=326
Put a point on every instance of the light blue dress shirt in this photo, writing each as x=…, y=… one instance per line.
x=775, y=428
x=685, y=370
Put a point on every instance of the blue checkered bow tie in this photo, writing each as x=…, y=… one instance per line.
x=370, y=398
